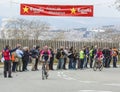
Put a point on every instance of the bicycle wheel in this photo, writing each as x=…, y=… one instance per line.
x=101, y=67
x=43, y=72
x=46, y=75
x=43, y=76
x=95, y=66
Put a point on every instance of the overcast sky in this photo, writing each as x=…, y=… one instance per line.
x=103, y=9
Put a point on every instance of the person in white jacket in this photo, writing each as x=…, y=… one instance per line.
x=19, y=53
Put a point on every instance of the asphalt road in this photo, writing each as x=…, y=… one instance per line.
x=86, y=80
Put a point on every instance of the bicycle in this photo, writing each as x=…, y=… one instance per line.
x=97, y=65
x=44, y=71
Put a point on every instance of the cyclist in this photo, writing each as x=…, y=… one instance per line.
x=45, y=55
x=99, y=56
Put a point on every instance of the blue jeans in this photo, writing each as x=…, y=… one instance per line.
x=114, y=61
x=81, y=63
x=85, y=62
x=60, y=63
x=74, y=64
x=91, y=62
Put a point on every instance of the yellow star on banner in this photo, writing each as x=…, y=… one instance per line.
x=73, y=11
x=25, y=9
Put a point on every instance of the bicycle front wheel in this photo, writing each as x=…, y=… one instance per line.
x=95, y=66
x=101, y=67
x=43, y=75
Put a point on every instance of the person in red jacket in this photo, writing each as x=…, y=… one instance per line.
x=99, y=55
x=6, y=54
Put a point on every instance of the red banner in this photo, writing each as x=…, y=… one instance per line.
x=57, y=10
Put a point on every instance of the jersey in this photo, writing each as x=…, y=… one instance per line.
x=99, y=55
x=45, y=54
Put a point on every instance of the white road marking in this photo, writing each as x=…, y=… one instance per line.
x=58, y=75
x=86, y=90
x=64, y=76
x=61, y=74
x=113, y=84
x=69, y=78
x=93, y=91
x=88, y=82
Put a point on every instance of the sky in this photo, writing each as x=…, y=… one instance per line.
x=105, y=13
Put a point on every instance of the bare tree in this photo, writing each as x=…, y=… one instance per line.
x=117, y=5
x=60, y=36
x=37, y=27
x=23, y=29
x=8, y=28
x=2, y=34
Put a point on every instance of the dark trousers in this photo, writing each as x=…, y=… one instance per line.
x=14, y=66
x=65, y=61
x=70, y=63
x=7, y=68
x=107, y=61
x=86, y=59
x=114, y=61
x=25, y=63
x=78, y=64
x=86, y=65
x=36, y=64
x=81, y=63
x=74, y=64
x=51, y=63
x=91, y=62
x=60, y=63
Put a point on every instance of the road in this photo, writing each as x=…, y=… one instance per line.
x=86, y=80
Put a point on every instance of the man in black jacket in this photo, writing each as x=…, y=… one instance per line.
x=51, y=59
x=26, y=58
x=34, y=56
x=107, y=54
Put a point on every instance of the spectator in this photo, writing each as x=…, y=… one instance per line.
x=75, y=59
x=14, y=61
x=82, y=56
x=37, y=50
x=51, y=59
x=107, y=54
x=61, y=58
x=19, y=53
x=114, y=54
x=34, y=56
x=6, y=53
x=91, y=53
x=66, y=50
x=87, y=57
x=26, y=58
x=71, y=58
